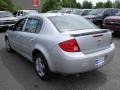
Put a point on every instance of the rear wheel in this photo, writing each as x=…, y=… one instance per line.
x=41, y=67
x=8, y=47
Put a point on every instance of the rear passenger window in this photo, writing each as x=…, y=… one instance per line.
x=21, y=13
x=18, y=13
x=39, y=26
x=33, y=25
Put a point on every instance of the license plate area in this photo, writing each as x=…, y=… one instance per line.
x=100, y=61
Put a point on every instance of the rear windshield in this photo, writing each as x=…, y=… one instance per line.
x=71, y=23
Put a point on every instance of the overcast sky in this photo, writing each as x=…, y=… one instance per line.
x=94, y=1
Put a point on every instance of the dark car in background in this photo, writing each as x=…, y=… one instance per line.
x=81, y=12
x=113, y=22
x=97, y=15
x=6, y=19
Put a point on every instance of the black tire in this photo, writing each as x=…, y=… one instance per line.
x=45, y=72
x=8, y=46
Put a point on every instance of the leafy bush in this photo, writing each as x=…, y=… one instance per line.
x=50, y=5
x=7, y=5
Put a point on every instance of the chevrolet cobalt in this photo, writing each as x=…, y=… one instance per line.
x=60, y=43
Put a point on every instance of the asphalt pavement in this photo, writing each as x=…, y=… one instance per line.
x=17, y=73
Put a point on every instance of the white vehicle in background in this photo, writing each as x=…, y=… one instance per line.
x=7, y=19
x=20, y=13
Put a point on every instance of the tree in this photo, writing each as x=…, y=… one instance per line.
x=78, y=5
x=87, y=4
x=99, y=5
x=57, y=4
x=116, y=4
x=65, y=3
x=69, y=3
x=50, y=5
x=7, y=5
x=108, y=4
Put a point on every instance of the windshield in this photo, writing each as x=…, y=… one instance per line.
x=96, y=12
x=71, y=23
x=77, y=12
x=5, y=14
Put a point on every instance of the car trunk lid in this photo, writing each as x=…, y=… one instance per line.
x=91, y=41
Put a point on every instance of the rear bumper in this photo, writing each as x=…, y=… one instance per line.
x=70, y=63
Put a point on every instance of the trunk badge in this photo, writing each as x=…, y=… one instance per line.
x=98, y=39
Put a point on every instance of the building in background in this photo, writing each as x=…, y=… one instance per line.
x=27, y=4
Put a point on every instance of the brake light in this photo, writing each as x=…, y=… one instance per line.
x=70, y=46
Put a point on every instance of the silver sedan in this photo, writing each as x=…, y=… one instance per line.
x=60, y=43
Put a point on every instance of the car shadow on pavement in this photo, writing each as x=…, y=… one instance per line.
x=23, y=72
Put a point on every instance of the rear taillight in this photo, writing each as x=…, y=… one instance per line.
x=70, y=46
